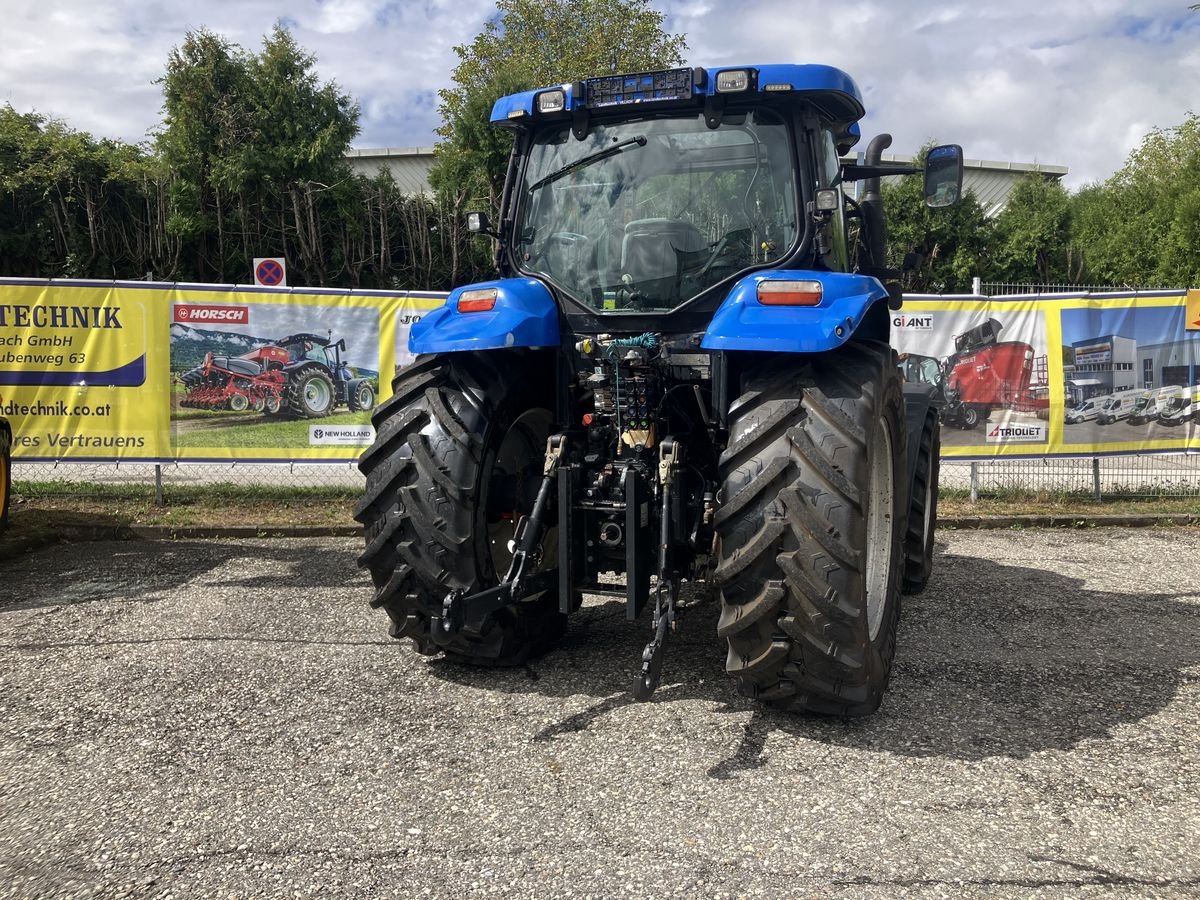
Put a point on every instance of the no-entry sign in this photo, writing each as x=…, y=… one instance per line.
x=270, y=271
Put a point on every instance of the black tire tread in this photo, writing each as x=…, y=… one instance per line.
x=420, y=507
x=918, y=546
x=792, y=531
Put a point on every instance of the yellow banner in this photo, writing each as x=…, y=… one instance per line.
x=1056, y=375
x=83, y=372
x=157, y=372
x=1193, y=310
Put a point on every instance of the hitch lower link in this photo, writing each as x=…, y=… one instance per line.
x=468, y=614
x=666, y=592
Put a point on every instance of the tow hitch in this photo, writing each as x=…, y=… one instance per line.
x=468, y=613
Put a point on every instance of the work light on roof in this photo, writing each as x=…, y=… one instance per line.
x=733, y=80
x=552, y=101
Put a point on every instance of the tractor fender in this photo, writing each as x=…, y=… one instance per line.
x=743, y=323
x=524, y=315
x=919, y=405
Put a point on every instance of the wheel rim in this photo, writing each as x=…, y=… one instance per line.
x=316, y=394
x=520, y=454
x=272, y=404
x=881, y=501
x=366, y=396
x=237, y=402
x=930, y=489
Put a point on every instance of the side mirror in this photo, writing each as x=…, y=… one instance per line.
x=943, y=176
x=477, y=223
x=342, y=345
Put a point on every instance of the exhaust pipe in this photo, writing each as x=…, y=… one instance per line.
x=872, y=209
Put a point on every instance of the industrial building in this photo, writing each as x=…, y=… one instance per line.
x=1103, y=365
x=989, y=180
x=1172, y=363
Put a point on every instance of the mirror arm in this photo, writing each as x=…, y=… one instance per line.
x=856, y=172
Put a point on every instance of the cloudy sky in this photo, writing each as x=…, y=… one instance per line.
x=1072, y=83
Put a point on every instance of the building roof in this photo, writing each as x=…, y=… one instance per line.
x=409, y=166
x=989, y=180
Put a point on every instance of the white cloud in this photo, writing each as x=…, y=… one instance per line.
x=1076, y=84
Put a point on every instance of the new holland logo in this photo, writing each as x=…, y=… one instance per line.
x=1027, y=432
x=340, y=435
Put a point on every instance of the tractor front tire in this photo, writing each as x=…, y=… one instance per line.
x=308, y=394
x=811, y=529
x=360, y=396
x=457, y=460
x=922, y=509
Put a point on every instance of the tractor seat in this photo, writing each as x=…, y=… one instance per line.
x=651, y=255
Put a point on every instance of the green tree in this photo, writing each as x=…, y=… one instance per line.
x=953, y=244
x=72, y=205
x=1033, y=235
x=1141, y=227
x=529, y=44
x=256, y=144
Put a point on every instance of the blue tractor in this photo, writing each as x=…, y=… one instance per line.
x=682, y=373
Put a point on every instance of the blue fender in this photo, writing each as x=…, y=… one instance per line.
x=525, y=315
x=742, y=323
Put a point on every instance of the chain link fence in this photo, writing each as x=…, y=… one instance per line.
x=1097, y=477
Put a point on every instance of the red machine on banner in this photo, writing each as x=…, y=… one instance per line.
x=983, y=374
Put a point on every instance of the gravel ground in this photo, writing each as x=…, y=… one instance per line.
x=204, y=719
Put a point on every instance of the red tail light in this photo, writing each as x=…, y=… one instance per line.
x=477, y=301
x=789, y=293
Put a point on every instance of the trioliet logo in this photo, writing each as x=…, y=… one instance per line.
x=191, y=313
x=1029, y=432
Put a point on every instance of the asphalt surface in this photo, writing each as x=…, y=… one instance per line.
x=229, y=719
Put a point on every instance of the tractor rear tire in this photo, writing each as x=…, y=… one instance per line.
x=308, y=394
x=443, y=484
x=922, y=510
x=811, y=530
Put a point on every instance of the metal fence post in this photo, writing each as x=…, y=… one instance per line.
x=1096, y=479
x=159, y=500
x=974, y=482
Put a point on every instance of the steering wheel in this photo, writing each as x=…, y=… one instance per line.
x=721, y=246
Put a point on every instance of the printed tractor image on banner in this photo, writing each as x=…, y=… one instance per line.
x=81, y=372
x=249, y=378
x=1057, y=374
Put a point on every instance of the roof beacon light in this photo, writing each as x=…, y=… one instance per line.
x=732, y=80
x=786, y=293
x=552, y=101
x=480, y=300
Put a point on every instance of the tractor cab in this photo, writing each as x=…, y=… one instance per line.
x=655, y=195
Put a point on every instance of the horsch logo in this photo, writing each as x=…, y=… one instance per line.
x=1028, y=432
x=196, y=313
